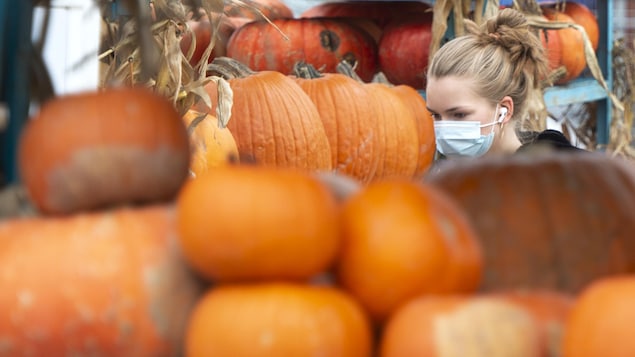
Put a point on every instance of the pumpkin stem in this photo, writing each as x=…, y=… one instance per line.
x=228, y=68
x=306, y=70
x=344, y=67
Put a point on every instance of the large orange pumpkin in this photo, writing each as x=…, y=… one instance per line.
x=349, y=119
x=90, y=150
x=571, y=46
x=212, y=145
x=601, y=320
x=254, y=223
x=101, y=284
x=425, y=126
x=477, y=326
x=553, y=220
x=321, y=42
x=274, y=122
x=276, y=319
x=582, y=16
x=550, y=40
x=402, y=239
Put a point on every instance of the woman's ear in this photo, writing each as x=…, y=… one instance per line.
x=508, y=104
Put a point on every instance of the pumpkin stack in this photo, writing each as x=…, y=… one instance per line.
x=94, y=272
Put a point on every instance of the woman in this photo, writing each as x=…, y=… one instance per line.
x=479, y=84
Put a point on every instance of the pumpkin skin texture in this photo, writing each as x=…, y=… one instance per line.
x=425, y=127
x=277, y=319
x=272, y=9
x=550, y=40
x=583, y=16
x=404, y=50
x=273, y=121
x=349, y=121
x=398, y=130
x=600, y=323
x=478, y=326
x=255, y=223
x=401, y=240
x=92, y=150
x=111, y=283
x=212, y=146
x=552, y=220
x=571, y=46
x=321, y=42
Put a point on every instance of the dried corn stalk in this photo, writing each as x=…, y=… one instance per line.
x=624, y=88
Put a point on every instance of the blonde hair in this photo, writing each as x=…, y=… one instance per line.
x=502, y=57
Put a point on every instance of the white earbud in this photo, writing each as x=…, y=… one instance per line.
x=502, y=114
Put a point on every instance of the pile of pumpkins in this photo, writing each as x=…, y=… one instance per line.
x=392, y=38
x=132, y=255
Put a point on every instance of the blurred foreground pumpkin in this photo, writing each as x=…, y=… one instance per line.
x=400, y=240
x=553, y=220
x=101, y=284
x=255, y=223
x=601, y=321
x=212, y=144
x=91, y=150
x=277, y=319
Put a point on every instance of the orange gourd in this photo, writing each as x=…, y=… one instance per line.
x=96, y=149
x=401, y=240
x=436, y=326
x=94, y=284
x=274, y=319
x=570, y=215
x=584, y=17
x=212, y=145
x=255, y=223
x=601, y=318
x=273, y=121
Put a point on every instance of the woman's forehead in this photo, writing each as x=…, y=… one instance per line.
x=451, y=92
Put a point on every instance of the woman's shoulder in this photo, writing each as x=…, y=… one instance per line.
x=551, y=138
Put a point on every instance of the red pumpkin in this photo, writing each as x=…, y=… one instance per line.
x=382, y=12
x=404, y=50
x=551, y=220
x=96, y=149
x=322, y=43
x=201, y=30
x=100, y=284
x=273, y=121
x=252, y=9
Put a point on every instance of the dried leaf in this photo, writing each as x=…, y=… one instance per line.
x=225, y=101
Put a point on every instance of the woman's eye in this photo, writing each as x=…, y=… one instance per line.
x=459, y=115
x=436, y=117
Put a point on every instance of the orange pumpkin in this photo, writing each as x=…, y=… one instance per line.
x=601, y=320
x=254, y=223
x=570, y=215
x=571, y=46
x=379, y=11
x=212, y=145
x=349, y=120
x=550, y=40
x=91, y=150
x=584, y=17
x=274, y=122
x=461, y=326
x=400, y=240
x=255, y=9
x=276, y=319
x=425, y=126
x=99, y=284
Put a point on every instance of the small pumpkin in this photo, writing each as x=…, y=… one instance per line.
x=553, y=220
x=600, y=320
x=572, y=54
x=476, y=326
x=212, y=144
x=321, y=42
x=255, y=223
x=273, y=121
x=109, y=283
x=401, y=240
x=96, y=149
x=278, y=319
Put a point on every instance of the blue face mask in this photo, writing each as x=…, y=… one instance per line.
x=463, y=138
